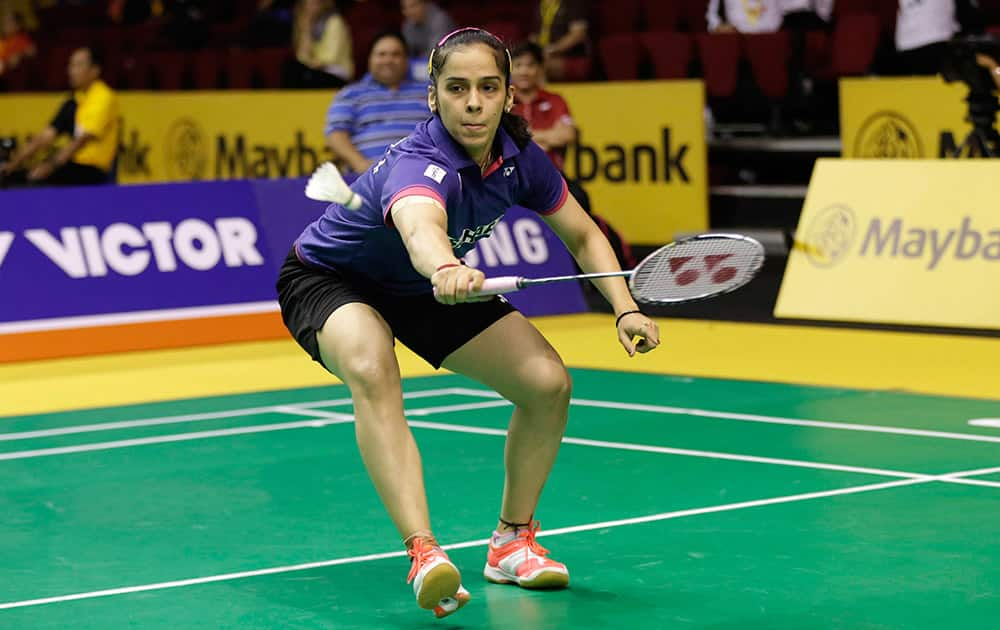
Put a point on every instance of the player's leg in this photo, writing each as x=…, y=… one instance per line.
x=357, y=345
x=513, y=358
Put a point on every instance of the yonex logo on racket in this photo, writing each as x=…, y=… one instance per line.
x=684, y=274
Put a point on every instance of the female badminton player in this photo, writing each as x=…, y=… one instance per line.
x=391, y=269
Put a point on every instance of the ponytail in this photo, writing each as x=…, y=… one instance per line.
x=517, y=128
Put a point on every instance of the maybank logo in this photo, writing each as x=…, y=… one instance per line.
x=892, y=238
x=888, y=134
x=187, y=150
x=829, y=236
x=640, y=163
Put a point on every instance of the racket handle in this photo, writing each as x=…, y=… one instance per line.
x=501, y=284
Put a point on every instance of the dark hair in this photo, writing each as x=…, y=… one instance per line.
x=387, y=33
x=96, y=56
x=515, y=126
x=528, y=48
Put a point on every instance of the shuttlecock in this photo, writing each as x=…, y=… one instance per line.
x=326, y=184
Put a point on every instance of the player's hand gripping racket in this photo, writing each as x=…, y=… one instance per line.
x=690, y=269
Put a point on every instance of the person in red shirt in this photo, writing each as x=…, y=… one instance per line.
x=15, y=43
x=547, y=113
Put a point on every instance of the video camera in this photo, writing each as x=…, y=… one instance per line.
x=960, y=65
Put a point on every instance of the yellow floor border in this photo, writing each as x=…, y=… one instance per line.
x=935, y=364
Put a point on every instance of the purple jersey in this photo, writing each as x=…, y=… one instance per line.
x=431, y=163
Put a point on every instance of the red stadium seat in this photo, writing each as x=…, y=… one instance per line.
x=18, y=79
x=239, y=69
x=660, y=15
x=362, y=40
x=54, y=62
x=720, y=55
x=853, y=7
x=816, y=54
x=855, y=39
x=670, y=53
x=768, y=54
x=693, y=14
x=268, y=64
x=135, y=72
x=508, y=32
x=620, y=16
x=169, y=68
x=205, y=68
x=577, y=68
x=621, y=55
x=371, y=15
x=470, y=14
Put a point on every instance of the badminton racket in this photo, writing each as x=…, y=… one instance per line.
x=694, y=268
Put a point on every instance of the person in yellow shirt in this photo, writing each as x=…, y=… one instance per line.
x=323, y=48
x=89, y=117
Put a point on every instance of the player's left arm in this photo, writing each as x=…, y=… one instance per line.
x=593, y=252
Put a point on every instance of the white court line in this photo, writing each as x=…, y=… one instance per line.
x=961, y=477
x=176, y=437
x=332, y=417
x=985, y=422
x=746, y=417
x=198, y=417
x=471, y=543
x=324, y=418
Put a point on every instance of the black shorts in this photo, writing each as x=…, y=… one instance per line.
x=308, y=295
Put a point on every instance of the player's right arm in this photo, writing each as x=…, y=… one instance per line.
x=422, y=224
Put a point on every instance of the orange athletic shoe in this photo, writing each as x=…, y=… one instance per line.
x=449, y=605
x=433, y=575
x=523, y=561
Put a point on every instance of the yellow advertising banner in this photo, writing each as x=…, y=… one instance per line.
x=185, y=136
x=641, y=155
x=645, y=170
x=903, y=118
x=897, y=241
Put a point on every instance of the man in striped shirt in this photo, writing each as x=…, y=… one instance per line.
x=384, y=106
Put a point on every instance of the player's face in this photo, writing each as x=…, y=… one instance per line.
x=527, y=74
x=81, y=71
x=471, y=95
x=387, y=62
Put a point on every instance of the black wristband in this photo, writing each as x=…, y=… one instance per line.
x=619, y=320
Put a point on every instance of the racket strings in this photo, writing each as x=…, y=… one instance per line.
x=696, y=268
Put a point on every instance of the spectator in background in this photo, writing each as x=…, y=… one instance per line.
x=322, y=43
x=806, y=15
x=547, y=113
x=424, y=24
x=24, y=10
x=744, y=16
x=384, y=106
x=15, y=43
x=90, y=118
x=923, y=28
x=562, y=33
